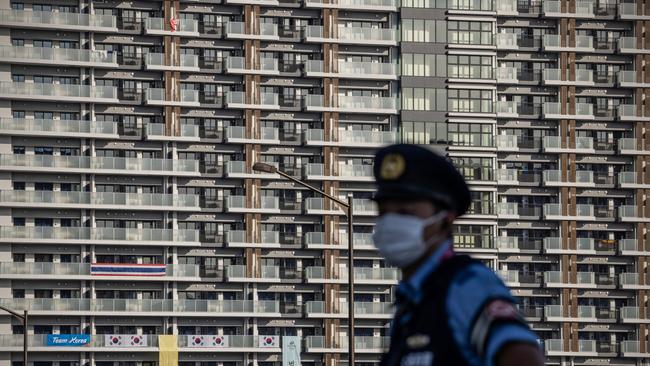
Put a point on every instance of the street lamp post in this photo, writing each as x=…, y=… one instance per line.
x=23, y=319
x=267, y=168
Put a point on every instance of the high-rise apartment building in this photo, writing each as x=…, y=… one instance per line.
x=128, y=130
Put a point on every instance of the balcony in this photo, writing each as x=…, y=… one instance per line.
x=507, y=41
x=267, y=135
x=631, y=314
x=506, y=143
x=352, y=35
x=631, y=247
x=631, y=281
x=582, y=212
x=266, y=31
x=345, y=172
x=267, y=205
x=554, y=110
x=319, y=344
x=58, y=92
x=555, y=347
x=242, y=169
x=265, y=66
x=557, y=144
x=58, y=128
x=186, y=98
x=98, y=165
x=553, y=43
x=227, y=343
x=99, y=200
x=632, y=79
x=352, y=70
x=254, y=2
x=367, y=5
x=238, y=239
x=267, y=274
x=553, y=9
x=632, y=12
x=350, y=138
x=632, y=45
x=265, y=101
x=583, y=246
x=82, y=235
x=555, y=313
x=57, y=56
x=351, y=104
x=507, y=8
x=52, y=21
x=632, y=146
x=362, y=276
x=157, y=61
x=362, y=310
x=554, y=77
x=583, y=280
x=517, y=177
x=156, y=132
x=316, y=240
x=124, y=307
x=632, y=349
x=628, y=112
x=82, y=271
x=507, y=75
x=513, y=244
x=162, y=27
x=632, y=213
x=507, y=109
x=554, y=178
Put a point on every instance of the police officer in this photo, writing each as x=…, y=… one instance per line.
x=450, y=310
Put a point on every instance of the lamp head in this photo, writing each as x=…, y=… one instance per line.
x=264, y=168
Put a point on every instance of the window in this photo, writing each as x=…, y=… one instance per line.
x=431, y=4
x=474, y=168
x=42, y=43
x=43, y=115
x=470, y=100
x=19, y=150
x=424, y=99
x=469, y=67
x=68, y=44
x=417, y=64
x=423, y=132
x=42, y=7
x=68, y=80
x=68, y=9
x=475, y=33
x=43, y=79
x=18, y=42
x=18, y=78
x=18, y=221
x=472, y=236
x=470, y=134
x=422, y=30
x=18, y=114
x=481, y=203
x=38, y=186
x=479, y=5
x=43, y=150
x=43, y=222
x=17, y=6
x=19, y=186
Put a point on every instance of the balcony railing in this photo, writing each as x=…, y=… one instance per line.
x=265, y=65
x=99, y=198
x=57, y=127
x=376, y=5
x=58, y=91
x=40, y=55
x=162, y=26
x=237, y=30
x=583, y=9
x=553, y=42
x=130, y=165
x=86, y=233
x=59, y=20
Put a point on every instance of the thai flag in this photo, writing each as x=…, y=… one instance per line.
x=117, y=269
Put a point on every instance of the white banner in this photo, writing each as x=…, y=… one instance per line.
x=198, y=341
x=269, y=341
x=290, y=351
x=125, y=340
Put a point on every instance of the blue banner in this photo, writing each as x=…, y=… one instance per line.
x=290, y=351
x=68, y=340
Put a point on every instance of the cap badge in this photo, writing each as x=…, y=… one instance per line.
x=392, y=167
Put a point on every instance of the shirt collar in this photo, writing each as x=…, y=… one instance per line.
x=411, y=288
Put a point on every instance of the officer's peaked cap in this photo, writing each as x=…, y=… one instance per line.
x=405, y=171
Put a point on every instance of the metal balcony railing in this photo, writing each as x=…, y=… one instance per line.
x=86, y=162
x=99, y=198
x=58, y=18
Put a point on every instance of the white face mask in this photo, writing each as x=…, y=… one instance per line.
x=400, y=238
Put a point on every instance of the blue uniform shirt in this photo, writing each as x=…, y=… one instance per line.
x=467, y=294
